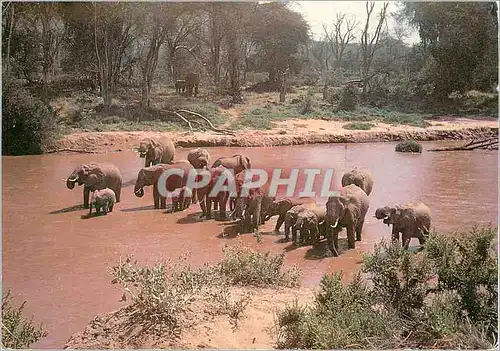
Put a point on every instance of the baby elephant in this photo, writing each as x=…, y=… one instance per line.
x=181, y=199
x=311, y=224
x=103, y=199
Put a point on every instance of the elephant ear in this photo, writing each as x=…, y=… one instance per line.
x=99, y=174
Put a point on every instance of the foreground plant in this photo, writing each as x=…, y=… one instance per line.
x=442, y=297
x=17, y=332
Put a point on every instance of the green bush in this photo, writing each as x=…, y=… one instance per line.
x=442, y=297
x=17, y=332
x=409, y=146
x=358, y=126
x=348, y=98
x=28, y=127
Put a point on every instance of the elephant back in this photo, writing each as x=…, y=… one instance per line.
x=168, y=150
x=360, y=177
x=108, y=175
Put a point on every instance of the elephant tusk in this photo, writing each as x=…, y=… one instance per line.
x=336, y=222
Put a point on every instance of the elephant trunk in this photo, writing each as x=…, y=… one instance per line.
x=139, y=191
x=70, y=182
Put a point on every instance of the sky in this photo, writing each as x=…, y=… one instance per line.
x=318, y=12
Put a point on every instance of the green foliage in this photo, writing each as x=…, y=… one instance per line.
x=358, y=126
x=307, y=103
x=408, y=146
x=348, y=98
x=28, y=127
x=443, y=297
x=17, y=332
x=243, y=266
x=162, y=293
x=459, y=36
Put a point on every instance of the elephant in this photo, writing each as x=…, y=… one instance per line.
x=251, y=209
x=280, y=207
x=181, y=199
x=157, y=151
x=361, y=177
x=237, y=163
x=347, y=209
x=204, y=194
x=192, y=83
x=180, y=86
x=150, y=175
x=412, y=220
x=103, y=199
x=199, y=158
x=291, y=217
x=311, y=224
x=96, y=176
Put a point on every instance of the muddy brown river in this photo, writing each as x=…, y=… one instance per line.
x=59, y=262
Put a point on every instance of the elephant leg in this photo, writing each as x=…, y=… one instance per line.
x=359, y=228
x=350, y=236
x=86, y=194
x=111, y=207
x=287, y=231
x=98, y=209
x=332, y=240
x=222, y=206
x=315, y=235
x=203, y=207
x=294, y=234
x=279, y=223
x=163, y=202
x=256, y=215
x=90, y=209
x=105, y=208
x=406, y=238
x=156, y=197
x=209, y=208
x=118, y=191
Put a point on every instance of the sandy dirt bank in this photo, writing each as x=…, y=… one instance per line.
x=290, y=132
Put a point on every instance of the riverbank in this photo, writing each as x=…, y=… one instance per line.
x=289, y=132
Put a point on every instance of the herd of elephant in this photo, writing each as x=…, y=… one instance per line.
x=303, y=216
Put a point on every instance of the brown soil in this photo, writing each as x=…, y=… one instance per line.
x=202, y=326
x=290, y=132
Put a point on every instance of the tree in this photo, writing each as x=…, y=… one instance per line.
x=370, y=43
x=278, y=33
x=461, y=37
x=340, y=36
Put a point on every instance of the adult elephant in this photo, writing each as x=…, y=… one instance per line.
x=361, y=177
x=251, y=207
x=311, y=224
x=156, y=151
x=207, y=195
x=282, y=206
x=412, y=220
x=192, y=83
x=199, y=158
x=96, y=176
x=151, y=176
x=237, y=163
x=347, y=209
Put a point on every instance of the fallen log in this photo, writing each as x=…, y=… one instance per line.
x=70, y=150
x=190, y=121
x=485, y=144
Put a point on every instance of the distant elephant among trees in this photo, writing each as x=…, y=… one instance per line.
x=192, y=83
x=180, y=86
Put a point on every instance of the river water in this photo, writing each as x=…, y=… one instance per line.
x=59, y=262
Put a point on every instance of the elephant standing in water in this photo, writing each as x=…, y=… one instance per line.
x=311, y=224
x=96, y=176
x=199, y=158
x=156, y=151
x=151, y=175
x=103, y=199
x=347, y=209
x=361, y=177
x=292, y=215
x=205, y=196
x=252, y=206
x=281, y=207
x=412, y=220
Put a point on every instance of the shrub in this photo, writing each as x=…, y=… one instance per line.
x=17, y=332
x=243, y=266
x=409, y=146
x=443, y=297
x=358, y=126
x=348, y=98
x=27, y=125
x=307, y=103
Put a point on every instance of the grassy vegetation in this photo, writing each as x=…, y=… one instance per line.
x=443, y=297
x=162, y=293
x=18, y=332
x=358, y=126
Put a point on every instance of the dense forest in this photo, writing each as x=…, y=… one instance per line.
x=111, y=50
